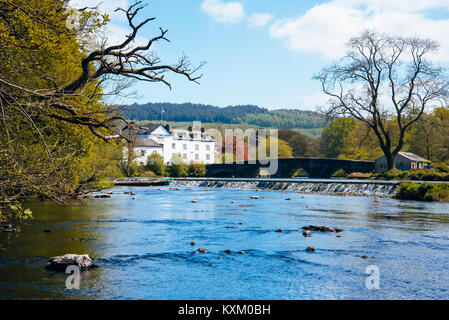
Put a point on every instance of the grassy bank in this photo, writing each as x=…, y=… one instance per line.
x=423, y=191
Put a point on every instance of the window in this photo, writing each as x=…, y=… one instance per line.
x=184, y=146
x=197, y=147
x=197, y=157
x=154, y=151
x=208, y=157
x=173, y=145
x=184, y=155
x=208, y=147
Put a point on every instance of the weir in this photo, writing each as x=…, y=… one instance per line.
x=338, y=187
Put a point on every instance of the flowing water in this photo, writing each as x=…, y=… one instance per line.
x=143, y=246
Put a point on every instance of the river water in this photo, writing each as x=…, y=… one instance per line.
x=143, y=247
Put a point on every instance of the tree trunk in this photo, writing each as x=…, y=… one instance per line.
x=390, y=161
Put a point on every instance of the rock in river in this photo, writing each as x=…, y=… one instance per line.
x=321, y=229
x=201, y=250
x=60, y=263
x=307, y=233
x=102, y=196
x=310, y=249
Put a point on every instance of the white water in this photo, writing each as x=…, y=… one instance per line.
x=362, y=188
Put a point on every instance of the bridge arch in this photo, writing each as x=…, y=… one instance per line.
x=315, y=168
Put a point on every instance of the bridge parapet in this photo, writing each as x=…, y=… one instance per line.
x=315, y=167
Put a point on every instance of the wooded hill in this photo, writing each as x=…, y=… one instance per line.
x=248, y=114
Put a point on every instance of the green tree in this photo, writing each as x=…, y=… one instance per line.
x=334, y=135
x=429, y=137
x=196, y=169
x=155, y=163
x=52, y=80
x=177, y=168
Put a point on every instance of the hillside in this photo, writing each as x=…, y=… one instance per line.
x=243, y=114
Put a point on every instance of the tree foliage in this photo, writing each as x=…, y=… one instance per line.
x=53, y=119
x=249, y=114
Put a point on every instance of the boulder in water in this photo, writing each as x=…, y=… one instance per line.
x=310, y=249
x=307, y=233
x=255, y=197
x=194, y=201
x=278, y=230
x=321, y=229
x=228, y=251
x=201, y=250
x=60, y=263
x=101, y=196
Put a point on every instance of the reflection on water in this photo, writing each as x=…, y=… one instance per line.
x=144, y=250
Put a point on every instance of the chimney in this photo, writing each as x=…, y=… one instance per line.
x=168, y=127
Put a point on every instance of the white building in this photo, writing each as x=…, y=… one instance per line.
x=193, y=145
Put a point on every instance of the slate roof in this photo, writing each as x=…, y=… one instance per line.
x=128, y=132
x=412, y=156
x=148, y=142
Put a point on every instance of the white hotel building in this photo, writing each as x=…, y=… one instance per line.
x=193, y=145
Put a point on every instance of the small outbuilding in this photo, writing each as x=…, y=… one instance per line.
x=404, y=161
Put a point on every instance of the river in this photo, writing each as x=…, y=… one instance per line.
x=143, y=246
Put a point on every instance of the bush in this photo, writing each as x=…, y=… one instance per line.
x=423, y=191
x=155, y=163
x=393, y=174
x=442, y=167
x=340, y=173
x=359, y=175
x=177, y=170
x=196, y=170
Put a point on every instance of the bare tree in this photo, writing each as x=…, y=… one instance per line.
x=386, y=82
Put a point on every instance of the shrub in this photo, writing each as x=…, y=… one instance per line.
x=423, y=191
x=359, y=175
x=177, y=170
x=340, y=173
x=196, y=170
x=393, y=174
x=442, y=167
x=155, y=163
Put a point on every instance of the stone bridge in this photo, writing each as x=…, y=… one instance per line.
x=315, y=167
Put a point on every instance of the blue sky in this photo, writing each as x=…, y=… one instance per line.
x=265, y=52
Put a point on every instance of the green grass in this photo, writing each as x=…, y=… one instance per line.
x=423, y=191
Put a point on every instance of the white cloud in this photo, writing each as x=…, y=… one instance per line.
x=257, y=20
x=325, y=28
x=224, y=12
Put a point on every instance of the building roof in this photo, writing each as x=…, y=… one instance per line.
x=148, y=142
x=409, y=156
x=137, y=131
x=413, y=157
